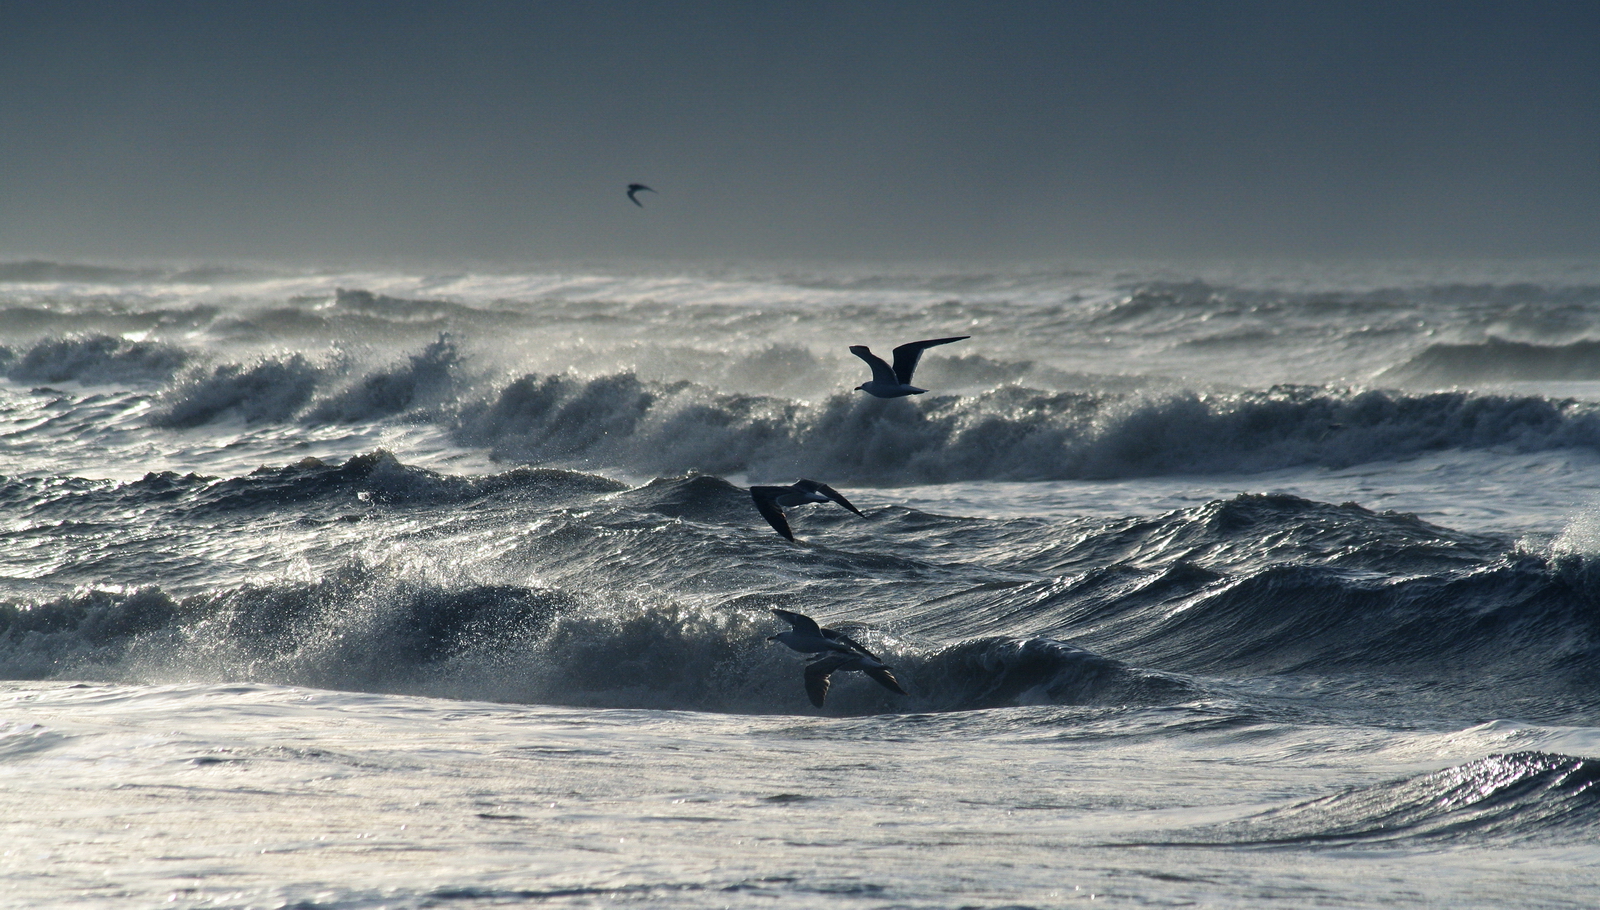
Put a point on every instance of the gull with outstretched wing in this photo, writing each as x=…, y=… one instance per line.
x=771, y=501
x=895, y=381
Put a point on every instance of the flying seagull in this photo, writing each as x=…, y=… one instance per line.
x=833, y=651
x=634, y=189
x=770, y=501
x=896, y=382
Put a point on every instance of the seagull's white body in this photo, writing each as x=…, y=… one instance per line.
x=771, y=501
x=895, y=381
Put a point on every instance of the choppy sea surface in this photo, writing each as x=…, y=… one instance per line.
x=1212, y=585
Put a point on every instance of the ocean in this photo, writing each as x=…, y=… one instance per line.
x=1209, y=585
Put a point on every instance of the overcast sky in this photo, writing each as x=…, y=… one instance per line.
x=509, y=131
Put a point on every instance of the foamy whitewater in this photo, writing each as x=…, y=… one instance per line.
x=1210, y=585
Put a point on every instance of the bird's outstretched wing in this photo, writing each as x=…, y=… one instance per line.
x=819, y=487
x=907, y=355
x=880, y=370
x=801, y=622
x=819, y=675
x=766, y=499
x=634, y=189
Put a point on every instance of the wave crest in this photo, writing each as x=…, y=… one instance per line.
x=1499, y=360
x=268, y=389
x=1003, y=672
x=367, y=628
x=93, y=358
x=426, y=380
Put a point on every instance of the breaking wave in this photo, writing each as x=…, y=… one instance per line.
x=426, y=380
x=269, y=389
x=1010, y=433
x=622, y=422
x=92, y=359
x=367, y=629
x=1261, y=586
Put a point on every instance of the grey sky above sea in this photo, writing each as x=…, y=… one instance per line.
x=509, y=131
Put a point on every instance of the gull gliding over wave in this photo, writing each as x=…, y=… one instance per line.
x=895, y=382
x=770, y=501
x=834, y=651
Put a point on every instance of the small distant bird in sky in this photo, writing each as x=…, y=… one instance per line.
x=770, y=501
x=634, y=189
x=895, y=382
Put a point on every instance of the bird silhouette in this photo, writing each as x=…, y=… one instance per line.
x=770, y=501
x=833, y=651
x=895, y=382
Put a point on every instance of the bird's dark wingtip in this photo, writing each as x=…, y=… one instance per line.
x=767, y=505
x=885, y=678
